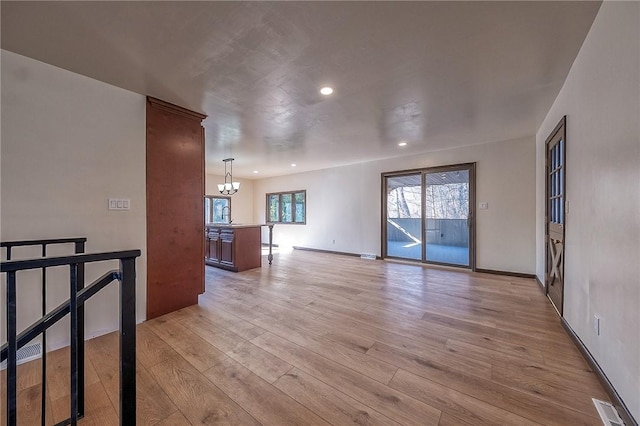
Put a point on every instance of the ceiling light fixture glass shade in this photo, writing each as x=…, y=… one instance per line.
x=229, y=187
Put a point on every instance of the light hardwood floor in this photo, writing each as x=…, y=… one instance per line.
x=327, y=339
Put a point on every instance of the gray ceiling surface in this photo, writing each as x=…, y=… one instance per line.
x=434, y=74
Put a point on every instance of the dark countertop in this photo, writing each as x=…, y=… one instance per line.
x=234, y=225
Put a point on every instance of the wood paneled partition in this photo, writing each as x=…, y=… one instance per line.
x=175, y=215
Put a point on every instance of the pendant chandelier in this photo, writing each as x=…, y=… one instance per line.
x=229, y=187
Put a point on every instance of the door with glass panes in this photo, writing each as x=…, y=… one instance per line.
x=555, y=209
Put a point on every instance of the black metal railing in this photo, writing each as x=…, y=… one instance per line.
x=74, y=306
x=79, y=247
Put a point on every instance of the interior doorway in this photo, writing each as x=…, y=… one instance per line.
x=428, y=215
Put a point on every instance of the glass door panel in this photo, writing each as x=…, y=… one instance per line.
x=447, y=225
x=404, y=216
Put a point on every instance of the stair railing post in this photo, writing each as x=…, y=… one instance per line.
x=43, y=400
x=79, y=248
x=128, y=341
x=12, y=395
x=73, y=309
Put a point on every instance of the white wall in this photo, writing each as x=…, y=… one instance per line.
x=601, y=98
x=344, y=203
x=241, y=201
x=68, y=144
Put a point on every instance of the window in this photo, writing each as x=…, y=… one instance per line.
x=447, y=195
x=287, y=207
x=217, y=209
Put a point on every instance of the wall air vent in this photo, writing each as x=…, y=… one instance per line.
x=26, y=354
x=608, y=413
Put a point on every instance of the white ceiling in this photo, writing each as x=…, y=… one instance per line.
x=435, y=74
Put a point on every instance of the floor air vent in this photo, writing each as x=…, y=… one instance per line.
x=369, y=256
x=26, y=354
x=608, y=413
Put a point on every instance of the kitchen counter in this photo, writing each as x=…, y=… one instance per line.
x=234, y=225
x=235, y=247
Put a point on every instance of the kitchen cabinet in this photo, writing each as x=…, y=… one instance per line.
x=233, y=247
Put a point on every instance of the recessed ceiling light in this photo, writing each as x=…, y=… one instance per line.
x=326, y=90
x=255, y=171
x=403, y=143
x=293, y=164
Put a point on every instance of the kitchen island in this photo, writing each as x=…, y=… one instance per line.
x=233, y=247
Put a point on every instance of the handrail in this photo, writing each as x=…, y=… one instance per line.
x=22, y=243
x=20, y=265
x=74, y=306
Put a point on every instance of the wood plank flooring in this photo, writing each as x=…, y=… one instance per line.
x=323, y=339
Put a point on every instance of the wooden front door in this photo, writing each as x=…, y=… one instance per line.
x=556, y=177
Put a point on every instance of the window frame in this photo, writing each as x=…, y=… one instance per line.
x=211, y=212
x=293, y=207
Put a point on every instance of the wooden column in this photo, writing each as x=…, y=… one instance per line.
x=175, y=210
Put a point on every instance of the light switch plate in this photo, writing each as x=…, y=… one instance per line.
x=119, y=204
x=483, y=205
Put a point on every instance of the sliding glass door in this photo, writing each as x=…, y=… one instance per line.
x=428, y=215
